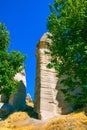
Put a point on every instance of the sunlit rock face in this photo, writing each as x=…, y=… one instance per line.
x=28, y=98
x=18, y=99
x=48, y=100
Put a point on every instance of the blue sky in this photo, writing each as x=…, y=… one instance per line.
x=26, y=20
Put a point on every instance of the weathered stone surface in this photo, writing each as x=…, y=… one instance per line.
x=18, y=99
x=48, y=98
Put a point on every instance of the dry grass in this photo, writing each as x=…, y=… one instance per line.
x=13, y=118
x=73, y=121
x=21, y=128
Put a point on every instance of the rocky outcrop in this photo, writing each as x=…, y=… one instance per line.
x=5, y=109
x=48, y=98
x=18, y=100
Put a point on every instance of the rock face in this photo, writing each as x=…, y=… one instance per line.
x=28, y=98
x=49, y=101
x=18, y=99
x=5, y=109
x=3, y=98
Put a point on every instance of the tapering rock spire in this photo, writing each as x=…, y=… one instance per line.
x=49, y=101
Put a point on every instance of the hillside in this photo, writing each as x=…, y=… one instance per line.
x=25, y=120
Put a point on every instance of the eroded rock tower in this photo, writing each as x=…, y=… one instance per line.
x=49, y=101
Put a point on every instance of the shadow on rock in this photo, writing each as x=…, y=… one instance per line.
x=31, y=112
x=5, y=110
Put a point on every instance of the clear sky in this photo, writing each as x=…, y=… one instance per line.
x=26, y=20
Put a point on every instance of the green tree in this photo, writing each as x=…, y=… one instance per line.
x=10, y=64
x=68, y=25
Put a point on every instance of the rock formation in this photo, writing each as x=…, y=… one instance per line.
x=48, y=101
x=28, y=98
x=5, y=110
x=18, y=99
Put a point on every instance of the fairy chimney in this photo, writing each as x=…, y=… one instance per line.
x=49, y=101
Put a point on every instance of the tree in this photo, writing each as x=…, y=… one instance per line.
x=68, y=25
x=10, y=64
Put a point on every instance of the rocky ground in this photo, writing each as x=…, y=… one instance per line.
x=25, y=120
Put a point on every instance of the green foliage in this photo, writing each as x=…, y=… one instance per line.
x=68, y=25
x=10, y=64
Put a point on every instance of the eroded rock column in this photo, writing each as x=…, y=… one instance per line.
x=46, y=81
